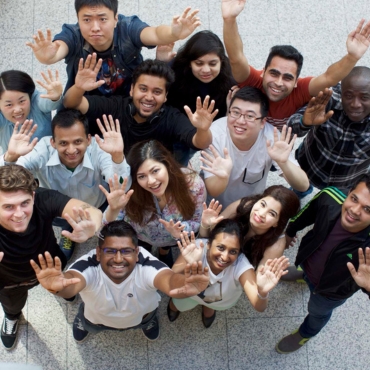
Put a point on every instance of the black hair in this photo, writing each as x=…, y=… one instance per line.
x=287, y=52
x=110, y=4
x=364, y=178
x=118, y=228
x=252, y=95
x=227, y=226
x=67, y=118
x=14, y=80
x=154, y=68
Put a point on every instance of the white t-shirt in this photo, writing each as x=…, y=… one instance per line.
x=119, y=305
x=250, y=168
x=224, y=289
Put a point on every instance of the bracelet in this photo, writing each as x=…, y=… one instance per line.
x=205, y=228
x=263, y=298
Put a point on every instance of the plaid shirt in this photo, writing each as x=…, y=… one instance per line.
x=337, y=152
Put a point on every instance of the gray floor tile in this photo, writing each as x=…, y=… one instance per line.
x=18, y=55
x=16, y=18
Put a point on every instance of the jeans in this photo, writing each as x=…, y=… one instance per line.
x=320, y=309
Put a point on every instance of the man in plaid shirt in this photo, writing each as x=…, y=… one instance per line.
x=336, y=150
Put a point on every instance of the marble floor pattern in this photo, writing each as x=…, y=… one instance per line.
x=240, y=338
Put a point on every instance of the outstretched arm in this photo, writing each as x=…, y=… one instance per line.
x=280, y=152
x=50, y=276
x=233, y=43
x=46, y=51
x=362, y=275
x=181, y=27
x=358, y=42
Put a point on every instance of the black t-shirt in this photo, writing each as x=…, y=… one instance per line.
x=169, y=126
x=20, y=248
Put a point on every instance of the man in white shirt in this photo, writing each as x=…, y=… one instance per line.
x=251, y=146
x=118, y=283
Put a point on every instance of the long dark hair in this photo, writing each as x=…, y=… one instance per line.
x=255, y=247
x=14, y=80
x=178, y=188
x=186, y=87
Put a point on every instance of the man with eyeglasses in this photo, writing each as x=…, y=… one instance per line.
x=118, y=283
x=250, y=145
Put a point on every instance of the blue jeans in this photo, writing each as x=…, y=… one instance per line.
x=320, y=309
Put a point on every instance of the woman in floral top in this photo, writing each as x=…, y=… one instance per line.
x=165, y=199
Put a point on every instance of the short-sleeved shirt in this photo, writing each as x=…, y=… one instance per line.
x=124, y=57
x=119, y=305
x=280, y=111
x=169, y=125
x=20, y=248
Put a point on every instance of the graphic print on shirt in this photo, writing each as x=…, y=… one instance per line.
x=112, y=76
x=212, y=294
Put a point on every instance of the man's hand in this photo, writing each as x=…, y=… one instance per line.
x=282, y=147
x=204, y=114
x=184, y=25
x=87, y=73
x=232, y=8
x=50, y=275
x=211, y=214
x=269, y=274
x=83, y=228
x=117, y=197
x=20, y=142
x=358, y=40
x=315, y=114
x=113, y=142
x=196, y=280
x=173, y=228
x=53, y=86
x=165, y=53
x=362, y=275
x=189, y=249
x=44, y=48
x=217, y=165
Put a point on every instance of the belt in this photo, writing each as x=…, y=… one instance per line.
x=24, y=283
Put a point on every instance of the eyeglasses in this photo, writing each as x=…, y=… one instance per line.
x=247, y=117
x=124, y=251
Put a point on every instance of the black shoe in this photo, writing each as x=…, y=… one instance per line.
x=67, y=246
x=152, y=330
x=172, y=315
x=79, y=332
x=166, y=258
x=208, y=321
x=9, y=331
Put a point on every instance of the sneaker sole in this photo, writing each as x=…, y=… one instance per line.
x=82, y=340
x=152, y=340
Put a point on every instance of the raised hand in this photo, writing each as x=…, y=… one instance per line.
x=362, y=275
x=211, y=214
x=83, y=227
x=232, y=8
x=269, y=274
x=204, y=114
x=173, y=228
x=117, y=197
x=217, y=165
x=20, y=142
x=315, y=112
x=290, y=242
x=165, y=53
x=230, y=94
x=358, y=40
x=196, y=280
x=282, y=147
x=1, y=256
x=52, y=85
x=50, y=275
x=189, y=249
x=44, y=48
x=184, y=25
x=87, y=73
x=113, y=142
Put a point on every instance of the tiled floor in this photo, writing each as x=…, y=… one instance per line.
x=240, y=338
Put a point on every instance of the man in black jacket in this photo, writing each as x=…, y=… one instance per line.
x=328, y=254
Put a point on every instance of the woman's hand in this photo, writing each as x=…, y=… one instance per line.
x=211, y=214
x=173, y=228
x=52, y=85
x=117, y=197
x=189, y=249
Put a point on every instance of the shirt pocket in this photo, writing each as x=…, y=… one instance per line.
x=252, y=177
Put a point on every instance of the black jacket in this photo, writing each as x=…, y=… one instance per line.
x=323, y=212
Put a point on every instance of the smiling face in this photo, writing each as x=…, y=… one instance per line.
x=117, y=266
x=148, y=95
x=97, y=25
x=279, y=78
x=356, y=97
x=244, y=133
x=15, y=106
x=222, y=252
x=71, y=144
x=16, y=209
x=206, y=68
x=355, y=214
x=264, y=215
x=152, y=176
